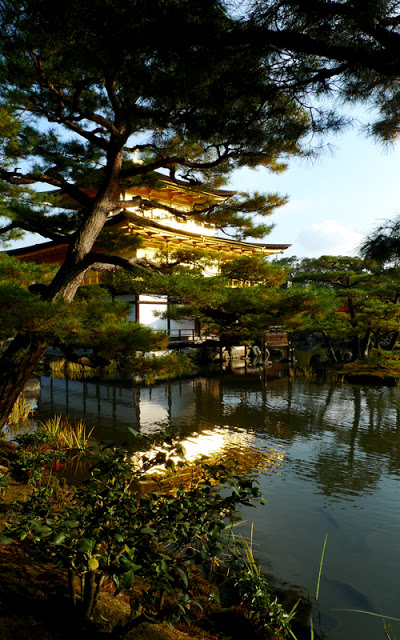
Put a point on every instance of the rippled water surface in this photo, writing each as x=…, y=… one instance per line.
x=328, y=462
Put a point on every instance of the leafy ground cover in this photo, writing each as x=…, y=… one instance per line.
x=103, y=559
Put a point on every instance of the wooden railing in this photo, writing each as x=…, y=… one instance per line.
x=178, y=335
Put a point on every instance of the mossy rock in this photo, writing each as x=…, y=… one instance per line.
x=364, y=377
x=371, y=374
x=360, y=373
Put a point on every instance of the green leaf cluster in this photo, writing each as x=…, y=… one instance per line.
x=358, y=302
x=144, y=537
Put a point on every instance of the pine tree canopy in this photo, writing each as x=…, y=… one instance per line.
x=88, y=90
x=349, y=48
x=383, y=244
x=100, y=95
x=105, y=94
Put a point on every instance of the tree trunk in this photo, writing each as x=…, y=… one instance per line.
x=71, y=587
x=89, y=591
x=97, y=592
x=355, y=342
x=121, y=630
x=393, y=340
x=366, y=344
x=17, y=365
x=26, y=351
x=331, y=351
x=355, y=348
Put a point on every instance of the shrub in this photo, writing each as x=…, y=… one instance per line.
x=4, y=482
x=64, y=369
x=111, y=527
x=38, y=457
x=55, y=444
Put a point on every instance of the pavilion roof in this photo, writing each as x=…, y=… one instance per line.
x=158, y=234
x=154, y=234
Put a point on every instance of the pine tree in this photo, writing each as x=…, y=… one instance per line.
x=240, y=314
x=348, y=49
x=87, y=89
x=358, y=302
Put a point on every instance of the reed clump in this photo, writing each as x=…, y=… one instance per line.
x=64, y=369
x=21, y=412
x=74, y=371
x=66, y=435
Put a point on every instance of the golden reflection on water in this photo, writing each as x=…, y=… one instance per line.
x=224, y=446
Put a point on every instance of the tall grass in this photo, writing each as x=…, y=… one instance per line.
x=388, y=629
x=21, y=412
x=66, y=435
x=303, y=372
x=64, y=369
x=321, y=562
x=263, y=610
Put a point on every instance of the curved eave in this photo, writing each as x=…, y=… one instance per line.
x=169, y=191
x=157, y=234
x=177, y=194
x=153, y=234
x=43, y=253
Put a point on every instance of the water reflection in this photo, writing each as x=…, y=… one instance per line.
x=236, y=447
x=327, y=459
x=355, y=430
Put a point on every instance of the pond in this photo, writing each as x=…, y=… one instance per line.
x=328, y=462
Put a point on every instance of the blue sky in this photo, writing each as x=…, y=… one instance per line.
x=334, y=201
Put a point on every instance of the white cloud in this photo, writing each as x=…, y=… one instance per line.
x=327, y=238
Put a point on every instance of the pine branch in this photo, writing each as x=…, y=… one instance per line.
x=13, y=177
x=16, y=178
x=153, y=204
x=99, y=261
x=7, y=228
x=170, y=161
x=63, y=100
x=362, y=56
x=94, y=362
x=44, y=232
